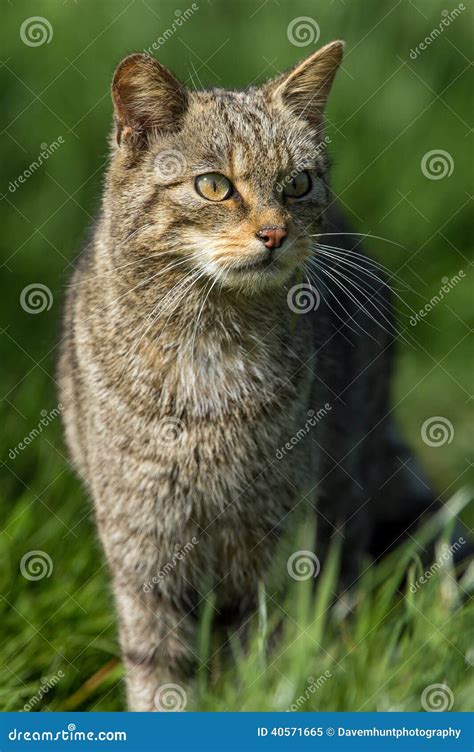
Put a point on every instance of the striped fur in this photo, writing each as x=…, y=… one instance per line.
x=182, y=375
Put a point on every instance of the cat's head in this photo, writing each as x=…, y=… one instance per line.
x=230, y=184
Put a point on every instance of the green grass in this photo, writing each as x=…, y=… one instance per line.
x=376, y=648
x=385, y=113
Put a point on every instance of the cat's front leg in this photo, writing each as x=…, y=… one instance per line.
x=155, y=639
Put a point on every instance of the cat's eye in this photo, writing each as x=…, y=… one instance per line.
x=214, y=186
x=298, y=185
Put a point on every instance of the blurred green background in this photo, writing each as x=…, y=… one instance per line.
x=388, y=109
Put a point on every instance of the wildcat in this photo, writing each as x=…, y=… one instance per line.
x=207, y=321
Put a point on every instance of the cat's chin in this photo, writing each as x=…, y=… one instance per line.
x=256, y=277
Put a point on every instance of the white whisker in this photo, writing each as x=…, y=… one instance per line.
x=378, y=309
x=325, y=271
x=361, y=235
x=330, y=251
x=183, y=286
x=362, y=279
x=174, y=265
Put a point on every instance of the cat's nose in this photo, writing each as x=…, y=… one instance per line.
x=272, y=236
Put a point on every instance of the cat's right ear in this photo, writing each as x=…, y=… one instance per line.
x=146, y=97
x=306, y=87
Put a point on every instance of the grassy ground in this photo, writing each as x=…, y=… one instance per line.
x=382, y=648
x=379, y=648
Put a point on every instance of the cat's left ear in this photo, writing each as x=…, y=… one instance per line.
x=305, y=88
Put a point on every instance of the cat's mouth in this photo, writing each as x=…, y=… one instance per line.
x=253, y=269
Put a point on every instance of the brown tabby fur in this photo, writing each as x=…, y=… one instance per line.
x=182, y=372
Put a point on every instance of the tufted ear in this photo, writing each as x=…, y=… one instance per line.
x=305, y=88
x=146, y=96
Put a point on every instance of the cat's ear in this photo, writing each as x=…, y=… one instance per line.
x=146, y=96
x=305, y=88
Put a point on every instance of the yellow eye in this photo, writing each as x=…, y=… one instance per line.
x=214, y=186
x=297, y=186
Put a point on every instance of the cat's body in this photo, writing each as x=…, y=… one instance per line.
x=181, y=391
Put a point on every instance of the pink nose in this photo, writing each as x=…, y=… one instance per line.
x=272, y=237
